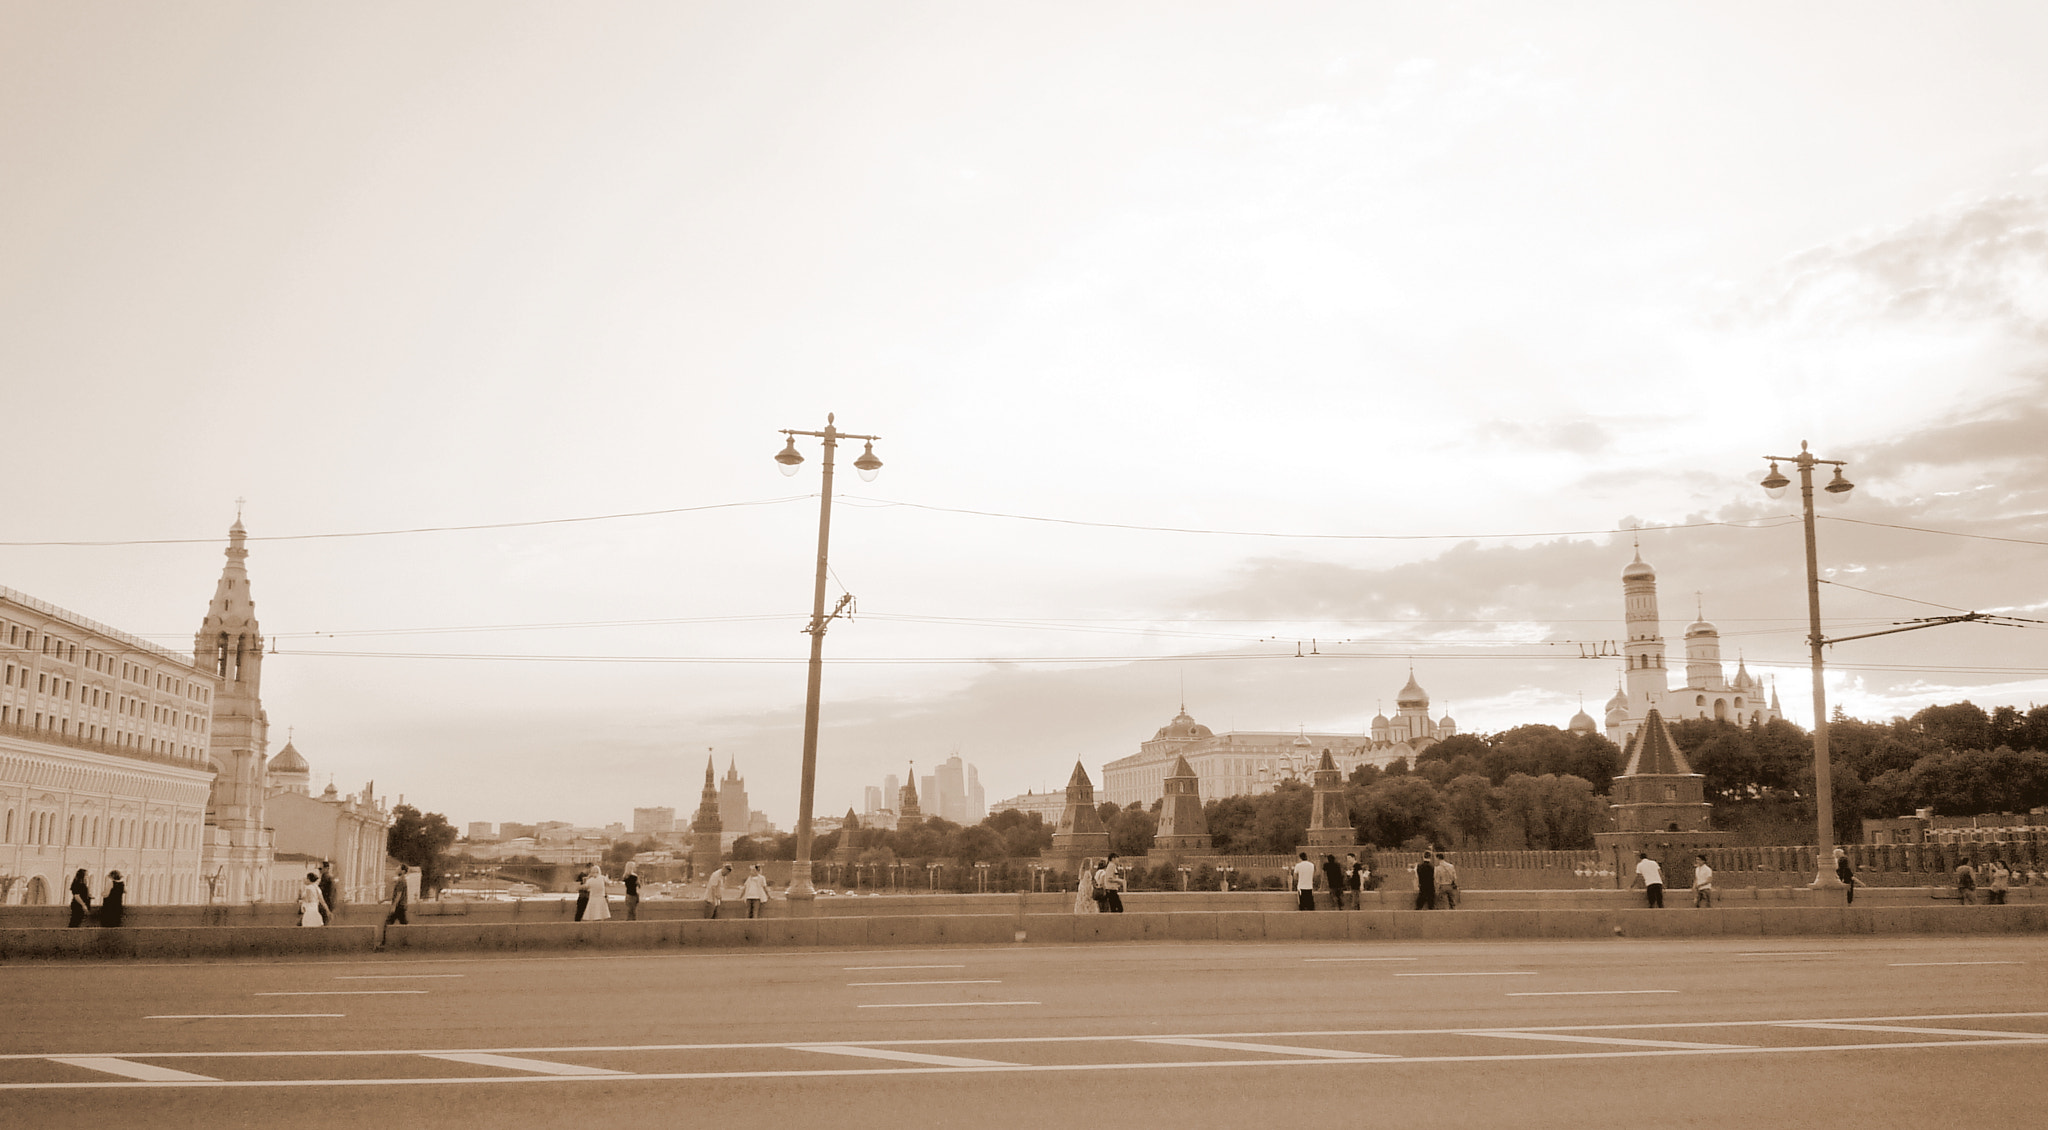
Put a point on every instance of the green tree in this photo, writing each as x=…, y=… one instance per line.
x=1233, y=824
x=1399, y=809
x=1960, y=726
x=1281, y=820
x=421, y=840
x=1472, y=806
x=1133, y=831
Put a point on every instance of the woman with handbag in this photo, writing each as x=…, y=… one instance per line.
x=1084, y=896
x=81, y=898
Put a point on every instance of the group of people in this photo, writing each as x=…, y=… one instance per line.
x=1997, y=881
x=754, y=889
x=1346, y=881
x=110, y=908
x=1102, y=887
x=1650, y=874
x=593, y=893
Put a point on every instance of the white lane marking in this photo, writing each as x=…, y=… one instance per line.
x=127, y=1070
x=1981, y=1033
x=351, y=993
x=879, y=968
x=869, y=1073
x=1621, y=1040
x=901, y=1056
x=884, y=984
x=396, y=976
x=1596, y=993
x=1789, y=953
x=1905, y=964
x=1360, y=959
x=1492, y=973
x=246, y=1016
x=515, y=1063
x=1304, y=1034
x=942, y=1004
x=1276, y=1049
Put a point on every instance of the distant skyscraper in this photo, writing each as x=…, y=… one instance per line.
x=948, y=795
x=733, y=811
x=977, y=801
x=874, y=801
x=481, y=831
x=892, y=791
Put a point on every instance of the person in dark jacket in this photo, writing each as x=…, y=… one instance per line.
x=582, y=894
x=1425, y=883
x=1333, y=874
x=112, y=906
x=327, y=903
x=81, y=898
x=1845, y=872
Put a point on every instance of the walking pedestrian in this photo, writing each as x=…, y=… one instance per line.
x=312, y=908
x=1651, y=877
x=1304, y=883
x=1702, y=882
x=1110, y=881
x=755, y=891
x=1354, y=880
x=1446, y=883
x=632, y=881
x=2001, y=882
x=400, y=898
x=1845, y=872
x=714, y=890
x=1333, y=875
x=1086, y=900
x=114, y=904
x=1966, y=882
x=1425, y=883
x=600, y=908
x=81, y=898
x=582, y=894
x=327, y=903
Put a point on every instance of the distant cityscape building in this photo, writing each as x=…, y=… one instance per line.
x=951, y=791
x=1047, y=805
x=1646, y=683
x=736, y=817
x=1242, y=763
x=654, y=821
x=482, y=831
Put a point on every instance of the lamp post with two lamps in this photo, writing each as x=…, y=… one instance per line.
x=800, y=889
x=1774, y=484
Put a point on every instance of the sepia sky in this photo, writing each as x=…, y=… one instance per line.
x=1191, y=330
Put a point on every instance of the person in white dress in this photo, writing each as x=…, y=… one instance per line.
x=755, y=891
x=311, y=905
x=599, y=910
x=1084, y=899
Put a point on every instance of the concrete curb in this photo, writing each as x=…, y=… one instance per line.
x=884, y=931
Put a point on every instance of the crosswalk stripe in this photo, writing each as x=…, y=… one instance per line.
x=515, y=1063
x=1564, y=1039
x=1274, y=1049
x=147, y=1072
x=900, y=1056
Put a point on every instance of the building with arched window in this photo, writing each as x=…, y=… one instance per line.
x=103, y=759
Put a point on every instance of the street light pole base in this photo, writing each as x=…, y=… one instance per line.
x=802, y=896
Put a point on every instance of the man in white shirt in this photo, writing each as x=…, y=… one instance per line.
x=1702, y=882
x=1305, y=883
x=1652, y=878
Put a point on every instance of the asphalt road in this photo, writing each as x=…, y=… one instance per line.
x=1808, y=1032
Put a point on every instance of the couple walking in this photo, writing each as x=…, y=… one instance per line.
x=111, y=903
x=1101, y=889
x=754, y=890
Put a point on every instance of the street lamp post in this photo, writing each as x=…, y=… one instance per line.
x=800, y=889
x=1774, y=484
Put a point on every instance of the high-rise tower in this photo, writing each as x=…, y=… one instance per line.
x=229, y=644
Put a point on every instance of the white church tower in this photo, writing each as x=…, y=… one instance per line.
x=229, y=644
